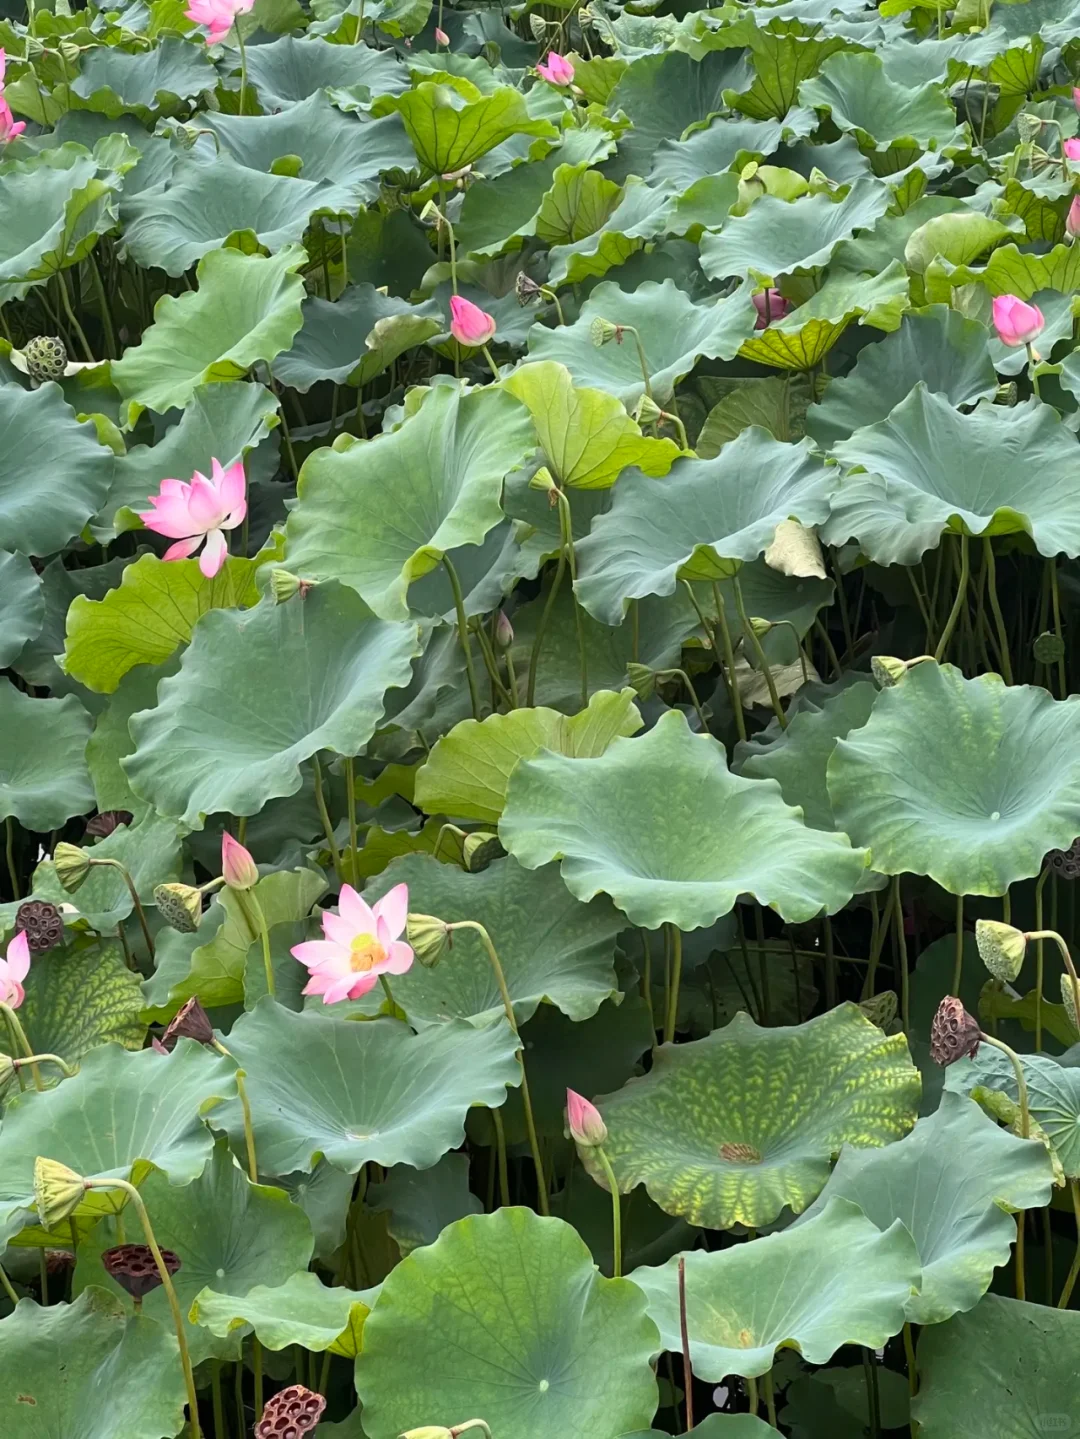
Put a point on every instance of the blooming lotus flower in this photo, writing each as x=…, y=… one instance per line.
x=441, y=37
x=237, y=866
x=1016, y=322
x=200, y=511
x=13, y=970
x=9, y=127
x=1072, y=219
x=1072, y=148
x=584, y=1121
x=770, y=305
x=218, y=16
x=558, y=70
x=361, y=942
x=469, y=325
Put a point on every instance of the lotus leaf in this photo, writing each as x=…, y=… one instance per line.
x=859, y=95
x=43, y=774
x=289, y=70
x=452, y=125
x=303, y=1310
x=333, y=342
x=76, y=1002
x=147, y=83
x=422, y=1202
x=22, y=605
x=58, y=203
x=1053, y=1096
x=804, y=336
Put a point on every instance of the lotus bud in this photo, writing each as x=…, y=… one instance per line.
x=1072, y=219
x=602, y=332
x=135, y=1270
x=470, y=325
x=191, y=1021
x=428, y=937
x=1071, y=148
x=238, y=868
x=584, y=1122
x=647, y=411
x=441, y=37
x=504, y=631
x=642, y=680
x=1016, y=322
x=1001, y=948
x=1028, y=127
x=525, y=288
x=58, y=1191
x=72, y=865
x=479, y=849
x=290, y=1414
x=556, y=70
x=180, y=906
x=954, y=1034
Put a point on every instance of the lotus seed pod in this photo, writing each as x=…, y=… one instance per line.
x=887, y=670
x=135, y=1270
x=881, y=1009
x=1066, y=862
x=429, y=1431
x=428, y=937
x=479, y=849
x=1048, y=648
x=642, y=680
x=42, y=923
x=954, y=1033
x=525, y=288
x=72, y=865
x=1001, y=948
x=290, y=1414
x=102, y=825
x=1028, y=127
x=1068, y=999
x=7, y=1070
x=58, y=1191
x=538, y=26
x=284, y=585
x=46, y=358
x=179, y=905
x=647, y=411
x=191, y=1021
x=602, y=332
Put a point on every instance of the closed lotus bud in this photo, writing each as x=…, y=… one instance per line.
x=887, y=670
x=42, y=923
x=504, y=631
x=72, y=865
x=180, y=906
x=602, y=332
x=191, y=1021
x=135, y=1270
x=428, y=937
x=479, y=849
x=525, y=288
x=1072, y=219
x=290, y=1414
x=954, y=1033
x=238, y=868
x=1068, y=999
x=642, y=680
x=584, y=1122
x=58, y=1191
x=1001, y=948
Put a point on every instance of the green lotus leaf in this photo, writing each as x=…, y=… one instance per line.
x=859, y=95
x=482, y=1322
x=151, y=612
x=155, y=1104
x=764, y=402
x=783, y=56
x=303, y=1310
x=1053, y=1096
x=552, y=949
x=804, y=336
x=351, y=1092
x=325, y=1196
x=1004, y=1369
x=116, y=1369
x=675, y=333
x=146, y=83
x=733, y=1128
x=450, y=458
x=579, y=201
x=936, y=346
x=717, y=1426
x=678, y=164
x=639, y=215
x=957, y=237
x=22, y=605
x=662, y=826
x=955, y=1182
x=55, y=207
x=333, y=344
x=151, y=853
x=289, y=70
x=1008, y=272
x=925, y=469
x=55, y=472
x=451, y=124
x=222, y=739
x=779, y=237
x=246, y=308
x=834, y=1280
x=700, y=522
x=468, y=770
x=586, y=435
x=421, y=1203
x=78, y=1001
x=43, y=774
x=968, y=781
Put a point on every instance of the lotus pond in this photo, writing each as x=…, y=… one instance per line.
x=539, y=762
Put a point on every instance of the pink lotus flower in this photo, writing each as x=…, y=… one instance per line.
x=237, y=866
x=1072, y=148
x=361, y=943
x=14, y=970
x=9, y=128
x=1072, y=219
x=584, y=1121
x=469, y=325
x=201, y=510
x=441, y=37
x=218, y=16
x=557, y=71
x=1017, y=323
x=770, y=305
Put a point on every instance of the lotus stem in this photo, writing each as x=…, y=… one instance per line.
x=69, y=1070
x=136, y=901
x=350, y=791
x=500, y=1155
x=729, y=661
x=1021, y=1082
x=9, y=847
x=873, y=1399
x=1043, y=877
x=1055, y=597
x=566, y=528
x=616, y=1211
x=541, y=628
x=961, y=592
x=912, y=1368
x=995, y=610
x=243, y=71
x=491, y=363
x=20, y=1041
x=258, y=924
x=324, y=815
x=675, y=936
x=901, y=946
x=770, y=1399
x=1074, y=1271
x=759, y=653
x=958, y=960
x=550, y=294
x=680, y=428
x=1041, y=934
x=642, y=361
x=6, y=1285
x=463, y=632
x=682, y=675
x=688, y=1373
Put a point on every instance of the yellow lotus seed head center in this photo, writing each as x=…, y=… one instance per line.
x=366, y=952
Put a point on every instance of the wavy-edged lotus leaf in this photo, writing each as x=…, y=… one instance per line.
x=468, y=769
x=246, y=308
x=290, y=69
x=641, y=214
x=55, y=473
x=1008, y=272
x=356, y=1091
x=450, y=458
x=586, y=435
x=148, y=616
x=420, y=1203
x=150, y=851
x=43, y=776
x=936, y=346
x=678, y=164
x=354, y=338
x=77, y=1001
x=970, y=782
x=224, y=739
x=859, y=95
x=88, y=1370
x=717, y=1426
x=835, y=1280
x=303, y=1310
x=155, y=1103
x=700, y=522
x=22, y=605
x=661, y=825
x=675, y=333
x=552, y=948
x=506, y=1316
x=929, y=468
x=1006, y=1368
x=578, y=203
x=801, y=338
x=784, y=54
x=55, y=206
x=451, y=124
x=733, y=1128
x=147, y=83
x=955, y=1182
x=226, y=1231
x=779, y=237
x=1053, y=1096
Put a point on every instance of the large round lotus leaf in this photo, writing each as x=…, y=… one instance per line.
x=22, y=605
x=732, y=1128
x=59, y=586
x=43, y=774
x=155, y=1104
x=699, y=522
x=505, y=1316
x=88, y=1370
x=55, y=206
x=150, y=851
x=353, y=1091
x=303, y=1310
x=59, y=1018
x=146, y=83
x=449, y=460
x=550, y=945
x=777, y=237
x=452, y=124
x=246, y=309
x=678, y=164
x=833, y=1281
x=936, y=346
x=675, y=333
x=259, y=692
x=968, y=781
x=333, y=344
x=717, y=1426
x=420, y=1203
x=55, y=474
x=1006, y=1369
x=929, y=468
x=806, y=334
x=1053, y=1096
x=860, y=96
x=289, y=70
x=661, y=825
x=955, y=1182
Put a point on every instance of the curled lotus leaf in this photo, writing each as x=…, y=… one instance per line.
x=303, y=1310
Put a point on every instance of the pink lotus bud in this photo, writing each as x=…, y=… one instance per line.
x=557, y=71
x=584, y=1122
x=1016, y=322
x=469, y=325
x=770, y=305
x=1072, y=219
x=1072, y=149
x=1076, y=97
x=504, y=631
x=441, y=37
x=237, y=866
